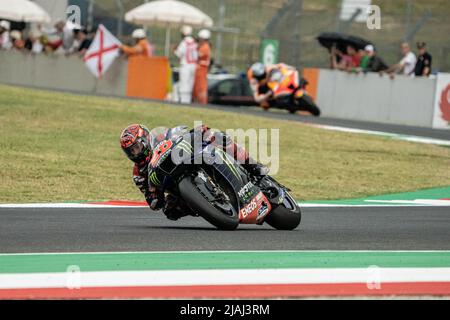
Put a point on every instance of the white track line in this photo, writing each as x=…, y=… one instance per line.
x=426, y=202
x=395, y=136
x=370, y=203
x=220, y=252
x=223, y=277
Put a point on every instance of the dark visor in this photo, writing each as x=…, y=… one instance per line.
x=135, y=151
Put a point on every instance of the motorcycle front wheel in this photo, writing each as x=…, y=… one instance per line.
x=285, y=216
x=306, y=103
x=220, y=214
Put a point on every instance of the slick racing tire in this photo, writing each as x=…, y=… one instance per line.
x=282, y=218
x=198, y=203
x=306, y=103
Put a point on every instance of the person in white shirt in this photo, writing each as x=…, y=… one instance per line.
x=35, y=45
x=5, y=40
x=188, y=55
x=407, y=65
x=61, y=36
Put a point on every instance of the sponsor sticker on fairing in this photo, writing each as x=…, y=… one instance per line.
x=245, y=189
x=248, y=209
x=263, y=210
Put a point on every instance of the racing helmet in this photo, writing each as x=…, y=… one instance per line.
x=135, y=142
x=258, y=70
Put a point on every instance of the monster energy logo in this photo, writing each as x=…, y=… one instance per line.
x=230, y=165
x=154, y=179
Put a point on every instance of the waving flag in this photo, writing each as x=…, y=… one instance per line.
x=102, y=52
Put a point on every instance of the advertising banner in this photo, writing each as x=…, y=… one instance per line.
x=441, y=118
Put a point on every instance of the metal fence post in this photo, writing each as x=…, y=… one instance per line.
x=90, y=15
x=221, y=23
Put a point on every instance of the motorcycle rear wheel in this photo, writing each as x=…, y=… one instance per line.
x=197, y=202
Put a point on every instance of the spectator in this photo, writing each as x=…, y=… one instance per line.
x=407, y=65
x=16, y=40
x=34, y=43
x=81, y=41
x=339, y=60
x=365, y=60
x=188, y=55
x=60, y=39
x=142, y=45
x=424, y=61
x=5, y=41
x=85, y=42
x=355, y=58
x=375, y=63
x=203, y=65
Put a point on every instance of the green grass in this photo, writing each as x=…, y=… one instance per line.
x=64, y=147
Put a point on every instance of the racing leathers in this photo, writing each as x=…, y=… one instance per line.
x=261, y=91
x=171, y=206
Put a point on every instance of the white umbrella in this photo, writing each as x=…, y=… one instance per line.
x=23, y=10
x=168, y=13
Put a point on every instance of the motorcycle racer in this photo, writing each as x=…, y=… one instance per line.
x=280, y=86
x=137, y=142
x=258, y=76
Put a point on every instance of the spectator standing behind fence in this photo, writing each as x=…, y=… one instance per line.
x=60, y=39
x=407, y=65
x=365, y=59
x=188, y=55
x=34, y=42
x=5, y=40
x=16, y=40
x=375, y=63
x=339, y=60
x=355, y=58
x=142, y=46
x=345, y=61
x=424, y=61
x=203, y=64
x=83, y=41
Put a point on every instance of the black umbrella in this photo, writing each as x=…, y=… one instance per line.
x=341, y=41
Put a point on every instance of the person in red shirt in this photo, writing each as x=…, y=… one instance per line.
x=142, y=46
x=355, y=57
x=16, y=39
x=203, y=64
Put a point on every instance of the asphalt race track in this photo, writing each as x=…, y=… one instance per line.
x=128, y=229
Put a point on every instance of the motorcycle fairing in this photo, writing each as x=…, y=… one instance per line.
x=256, y=210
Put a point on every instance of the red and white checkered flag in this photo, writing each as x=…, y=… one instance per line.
x=102, y=52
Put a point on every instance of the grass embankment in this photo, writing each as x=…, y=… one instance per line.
x=64, y=147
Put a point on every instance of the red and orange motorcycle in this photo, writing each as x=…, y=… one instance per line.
x=289, y=92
